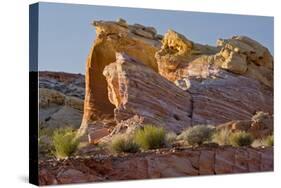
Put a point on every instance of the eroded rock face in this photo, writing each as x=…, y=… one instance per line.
x=243, y=55
x=161, y=164
x=135, y=89
x=215, y=85
x=230, y=83
x=60, y=99
x=57, y=110
x=137, y=41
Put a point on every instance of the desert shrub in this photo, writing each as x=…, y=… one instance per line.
x=121, y=144
x=221, y=137
x=269, y=141
x=241, y=138
x=64, y=142
x=199, y=134
x=150, y=137
x=170, y=137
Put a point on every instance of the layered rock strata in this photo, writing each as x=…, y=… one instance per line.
x=215, y=85
x=134, y=88
x=136, y=40
x=160, y=164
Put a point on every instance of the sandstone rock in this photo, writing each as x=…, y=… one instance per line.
x=135, y=89
x=180, y=57
x=228, y=97
x=206, y=162
x=46, y=178
x=57, y=110
x=74, y=102
x=112, y=38
x=224, y=161
x=95, y=135
x=122, y=22
x=218, y=84
x=48, y=97
x=143, y=33
x=245, y=56
x=66, y=83
x=162, y=164
x=260, y=125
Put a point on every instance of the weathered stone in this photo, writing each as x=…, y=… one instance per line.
x=245, y=56
x=206, y=162
x=260, y=125
x=111, y=38
x=95, y=135
x=135, y=89
x=228, y=97
x=224, y=161
x=143, y=33
x=230, y=82
x=162, y=164
x=58, y=110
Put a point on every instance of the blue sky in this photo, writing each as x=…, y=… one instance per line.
x=66, y=33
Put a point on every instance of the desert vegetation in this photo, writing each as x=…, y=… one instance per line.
x=241, y=138
x=64, y=142
x=121, y=143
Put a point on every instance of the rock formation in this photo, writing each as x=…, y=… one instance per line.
x=134, y=88
x=136, y=40
x=60, y=100
x=160, y=164
x=175, y=83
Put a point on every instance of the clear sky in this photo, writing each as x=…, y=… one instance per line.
x=66, y=33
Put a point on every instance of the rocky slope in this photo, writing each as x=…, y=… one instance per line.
x=60, y=99
x=131, y=72
x=156, y=164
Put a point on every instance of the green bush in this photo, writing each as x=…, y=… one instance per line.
x=221, y=137
x=241, y=138
x=64, y=142
x=121, y=144
x=199, y=134
x=150, y=137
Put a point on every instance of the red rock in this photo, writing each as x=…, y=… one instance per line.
x=207, y=162
x=224, y=161
x=164, y=163
x=95, y=135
